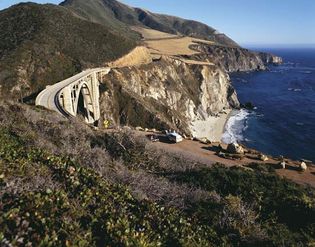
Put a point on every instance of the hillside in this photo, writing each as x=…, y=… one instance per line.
x=114, y=13
x=58, y=188
x=43, y=44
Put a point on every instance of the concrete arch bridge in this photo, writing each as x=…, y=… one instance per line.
x=77, y=95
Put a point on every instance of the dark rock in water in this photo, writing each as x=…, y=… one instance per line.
x=248, y=106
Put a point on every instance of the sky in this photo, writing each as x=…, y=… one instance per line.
x=248, y=22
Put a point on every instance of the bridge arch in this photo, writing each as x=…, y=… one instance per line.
x=84, y=103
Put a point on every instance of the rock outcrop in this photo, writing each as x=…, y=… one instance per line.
x=167, y=93
x=235, y=148
x=303, y=166
x=235, y=59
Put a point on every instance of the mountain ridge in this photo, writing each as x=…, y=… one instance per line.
x=139, y=17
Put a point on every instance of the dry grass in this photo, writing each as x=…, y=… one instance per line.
x=149, y=34
x=138, y=56
x=171, y=47
x=168, y=44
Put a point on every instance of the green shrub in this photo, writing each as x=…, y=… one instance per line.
x=278, y=203
x=87, y=210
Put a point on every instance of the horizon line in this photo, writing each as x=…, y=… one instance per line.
x=278, y=44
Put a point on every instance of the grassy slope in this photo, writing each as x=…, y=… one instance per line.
x=118, y=192
x=43, y=44
x=109, y=11
x=96, y=11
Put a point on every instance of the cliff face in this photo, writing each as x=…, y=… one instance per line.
x=183, y=93
x=166, y=94
x=233, y=59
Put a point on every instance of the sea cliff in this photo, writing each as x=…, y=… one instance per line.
x=167, y=93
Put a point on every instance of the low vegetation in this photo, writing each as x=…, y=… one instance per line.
x=63, y=184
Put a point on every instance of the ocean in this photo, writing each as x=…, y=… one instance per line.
x=283, y=121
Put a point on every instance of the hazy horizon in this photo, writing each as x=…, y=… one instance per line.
x=249, y=23
x=279, y=46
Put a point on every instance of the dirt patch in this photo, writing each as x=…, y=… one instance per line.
x=206, y=154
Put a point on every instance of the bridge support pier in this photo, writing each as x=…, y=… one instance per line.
x=87, y=89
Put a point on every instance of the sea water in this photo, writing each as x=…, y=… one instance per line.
x=283, y=121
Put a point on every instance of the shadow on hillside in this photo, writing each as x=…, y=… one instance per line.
x=162, y=138
x=215, y=149
x=30, y=99
x=293, y=168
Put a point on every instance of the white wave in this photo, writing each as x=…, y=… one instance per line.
x=295, y=89
x=289, y=63
x=235, y=127
x=276, y=71
x=241, y=80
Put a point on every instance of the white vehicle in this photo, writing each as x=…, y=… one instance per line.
x=174, y=137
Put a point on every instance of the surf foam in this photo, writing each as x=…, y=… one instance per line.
x=235, y=126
